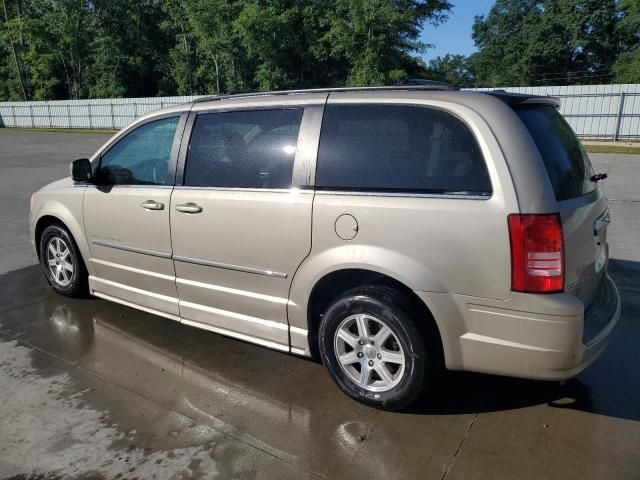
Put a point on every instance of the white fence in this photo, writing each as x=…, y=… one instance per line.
x=108, y=113
x=607, y=112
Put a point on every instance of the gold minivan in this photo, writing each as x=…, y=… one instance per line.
x=387, y=231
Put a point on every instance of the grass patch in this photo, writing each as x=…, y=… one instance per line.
x=99, y=131
x=612, y=149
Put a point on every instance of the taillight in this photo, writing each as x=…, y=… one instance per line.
x=537, y=253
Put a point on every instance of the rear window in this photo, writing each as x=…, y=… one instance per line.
x=567, y=164
x=398, y=148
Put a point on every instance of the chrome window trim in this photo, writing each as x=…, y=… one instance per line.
x=164, y=187
x=228, y=266
x=374, y=193
x=126, y=248
x=241, y=189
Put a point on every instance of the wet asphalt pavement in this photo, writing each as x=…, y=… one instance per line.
x=92, y=389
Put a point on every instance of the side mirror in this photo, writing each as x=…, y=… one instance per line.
x=81, y=170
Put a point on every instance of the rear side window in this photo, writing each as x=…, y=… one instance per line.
x=399, y=148
x=566, y=162
x=248, y=149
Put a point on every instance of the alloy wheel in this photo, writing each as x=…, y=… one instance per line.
x=59, y=261
x=369, y=352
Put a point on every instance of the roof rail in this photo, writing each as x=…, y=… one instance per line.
x=411, y=84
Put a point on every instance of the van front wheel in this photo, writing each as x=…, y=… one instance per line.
x=61, y=262
x=372, y=348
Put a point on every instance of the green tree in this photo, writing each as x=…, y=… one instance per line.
x=452, y=69
x=627, y=65
x=61, y=34
x=12, y=50
x=533, y=42
x=207, y=56
x=130, y=48
x=287, y=43
x=224, y=45
x=378, y=38
x=182, y=53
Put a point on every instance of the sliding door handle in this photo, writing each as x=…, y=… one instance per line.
x=189, y=208
x=152, y=205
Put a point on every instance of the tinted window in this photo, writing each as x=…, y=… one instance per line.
x=143, y=157
x=250, y=149
x=567, y=164
x=398, y=148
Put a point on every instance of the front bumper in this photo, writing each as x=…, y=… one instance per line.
x=544, y=337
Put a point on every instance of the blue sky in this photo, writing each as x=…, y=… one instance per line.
x=454, y=36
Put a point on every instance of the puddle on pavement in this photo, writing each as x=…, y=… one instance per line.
x=108, y=391
x=44, y=420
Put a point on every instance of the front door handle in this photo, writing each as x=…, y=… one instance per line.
x=189, y=208
x=152, y=205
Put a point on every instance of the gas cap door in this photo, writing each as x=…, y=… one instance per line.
x=346, y=226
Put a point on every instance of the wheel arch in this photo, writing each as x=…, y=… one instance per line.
x=338, y=281
x=42, y=223
x=56, y=213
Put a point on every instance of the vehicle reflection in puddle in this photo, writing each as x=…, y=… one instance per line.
x=234, y=403
x=143, y=383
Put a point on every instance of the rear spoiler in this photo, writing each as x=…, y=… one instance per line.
x=521, y=99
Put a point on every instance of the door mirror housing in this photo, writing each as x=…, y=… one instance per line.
x=81, y=170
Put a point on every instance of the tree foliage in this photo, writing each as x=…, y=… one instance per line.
x=538, y=42
x=452, y=69
x=533, y=42
x=103, y=48
x=627, y=65
x=52, y=49
x=549, y=42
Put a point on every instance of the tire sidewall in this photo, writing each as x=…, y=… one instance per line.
x=76, y=285
x=399, y=320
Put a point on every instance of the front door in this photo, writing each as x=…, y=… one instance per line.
x=239, y=229
x=126, y=216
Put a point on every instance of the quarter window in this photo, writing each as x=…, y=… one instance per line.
x=248, y=149
x=399, y=148
x=142, y=157
x=566, y=162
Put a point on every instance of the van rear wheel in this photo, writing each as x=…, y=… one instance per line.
x=373, y=349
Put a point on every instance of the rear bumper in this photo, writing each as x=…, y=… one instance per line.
x=545, y=337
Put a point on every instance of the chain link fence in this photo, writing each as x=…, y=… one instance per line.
x=597, y=112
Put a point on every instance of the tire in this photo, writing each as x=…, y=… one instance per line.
x=390, y=385
x=62, y=263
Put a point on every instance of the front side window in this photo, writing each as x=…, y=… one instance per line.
x=142, y=157
x=399, y=148
x=247, y=149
